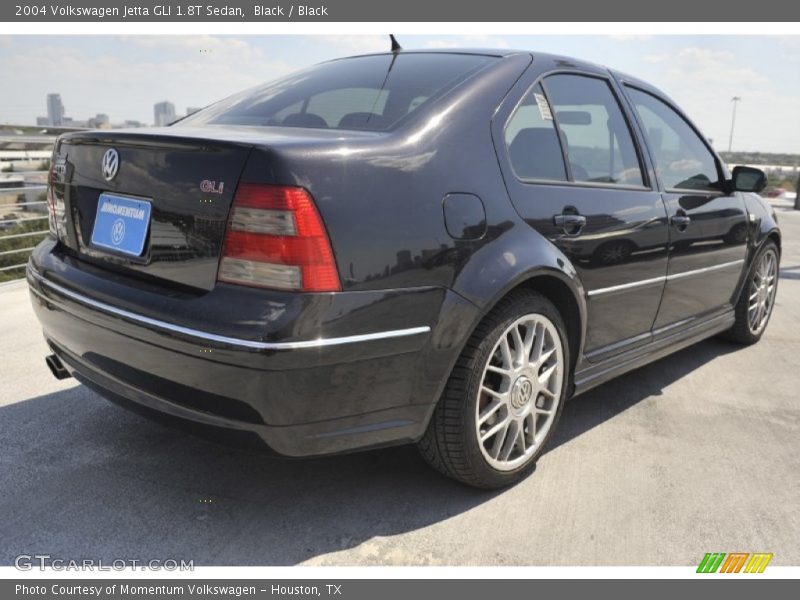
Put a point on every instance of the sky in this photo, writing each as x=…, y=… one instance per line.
x=123, y=76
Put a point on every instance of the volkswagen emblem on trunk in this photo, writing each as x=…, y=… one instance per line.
x=110, y=164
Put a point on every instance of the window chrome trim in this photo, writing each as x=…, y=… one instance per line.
x=212, y=337
x=662, y=278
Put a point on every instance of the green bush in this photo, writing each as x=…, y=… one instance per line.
x=6, y=260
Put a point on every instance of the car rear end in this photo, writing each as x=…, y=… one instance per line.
x=197, y=270
x=178, y=286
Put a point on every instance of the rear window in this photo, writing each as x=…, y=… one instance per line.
x=370, y=93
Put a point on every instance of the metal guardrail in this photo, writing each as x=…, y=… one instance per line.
x=23, y=221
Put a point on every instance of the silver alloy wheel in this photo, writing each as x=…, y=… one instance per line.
x=762, y=292
x=520, y=392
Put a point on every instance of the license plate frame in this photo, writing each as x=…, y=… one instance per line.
x=121, y=223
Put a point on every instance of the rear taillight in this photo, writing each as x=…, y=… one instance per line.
x=276, y=239
x=55, y=209
x=51, y=211
x=52, y=220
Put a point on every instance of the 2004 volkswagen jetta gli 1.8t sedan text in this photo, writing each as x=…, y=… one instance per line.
x=429, y=247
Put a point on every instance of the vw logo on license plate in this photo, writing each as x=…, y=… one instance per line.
x=118, y=232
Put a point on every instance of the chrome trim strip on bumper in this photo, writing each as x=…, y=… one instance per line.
x=663, y=278
x=212, y=337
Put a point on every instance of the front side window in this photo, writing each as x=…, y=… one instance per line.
x=594, y=131
x=682, y=158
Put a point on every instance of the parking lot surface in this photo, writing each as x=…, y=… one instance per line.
x=695, y=453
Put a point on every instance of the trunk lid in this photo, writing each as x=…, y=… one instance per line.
x=188, y=181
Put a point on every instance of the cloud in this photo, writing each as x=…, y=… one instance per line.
x=468, y=41
x=655, y=58
x=630, y=37
x=711, y=68
x=791, y=47
x=703, y=81
x=352, y=44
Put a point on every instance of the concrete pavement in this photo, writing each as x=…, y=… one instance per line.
x=698, y=452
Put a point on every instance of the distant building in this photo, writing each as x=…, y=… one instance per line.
x=55, y=110
x=99, y=121
x=130, y=123
x=42, y=121
x=164, y=113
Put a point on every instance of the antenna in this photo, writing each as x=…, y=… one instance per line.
x=395, y=52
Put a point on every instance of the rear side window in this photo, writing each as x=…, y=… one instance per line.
x=532, y=140
x=682, y=158
x=369, y=93
x=594, y=131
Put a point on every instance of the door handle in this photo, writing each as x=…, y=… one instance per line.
x=681, y=221
x=570, y=223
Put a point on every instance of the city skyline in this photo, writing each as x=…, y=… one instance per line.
x=125, y=76
x=164, y=112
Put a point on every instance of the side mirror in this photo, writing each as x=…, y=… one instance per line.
x=748, y=179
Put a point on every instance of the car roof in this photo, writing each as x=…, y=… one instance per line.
x=559, y=59
x=499, y=52
x=496, y=52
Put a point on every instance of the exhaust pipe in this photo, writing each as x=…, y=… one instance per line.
x=57, y=368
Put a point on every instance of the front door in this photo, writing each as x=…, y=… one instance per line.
x=577, y=176
x=708, y=227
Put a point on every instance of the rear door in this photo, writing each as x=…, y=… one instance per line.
x=576, y=174
x=708, y=226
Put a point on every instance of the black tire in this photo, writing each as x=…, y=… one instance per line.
x=741, y=333
x=450, y=443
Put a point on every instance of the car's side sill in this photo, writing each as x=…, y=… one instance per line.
x=613, y=367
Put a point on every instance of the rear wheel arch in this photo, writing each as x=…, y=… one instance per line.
x=565, y=300
x=453, y=442
x=775, y=236
x=564, y=292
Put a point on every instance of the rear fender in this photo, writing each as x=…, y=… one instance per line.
x=519, y=258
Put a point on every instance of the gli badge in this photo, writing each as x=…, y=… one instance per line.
x=211, y=187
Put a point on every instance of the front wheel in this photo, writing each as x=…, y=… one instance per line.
x=757, y=298
x=504, y=397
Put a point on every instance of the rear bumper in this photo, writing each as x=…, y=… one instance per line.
x=233, y=358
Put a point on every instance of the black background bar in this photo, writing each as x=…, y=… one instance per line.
x=708, y=11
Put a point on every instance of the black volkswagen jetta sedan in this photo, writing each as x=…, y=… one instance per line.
x=427, y=247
